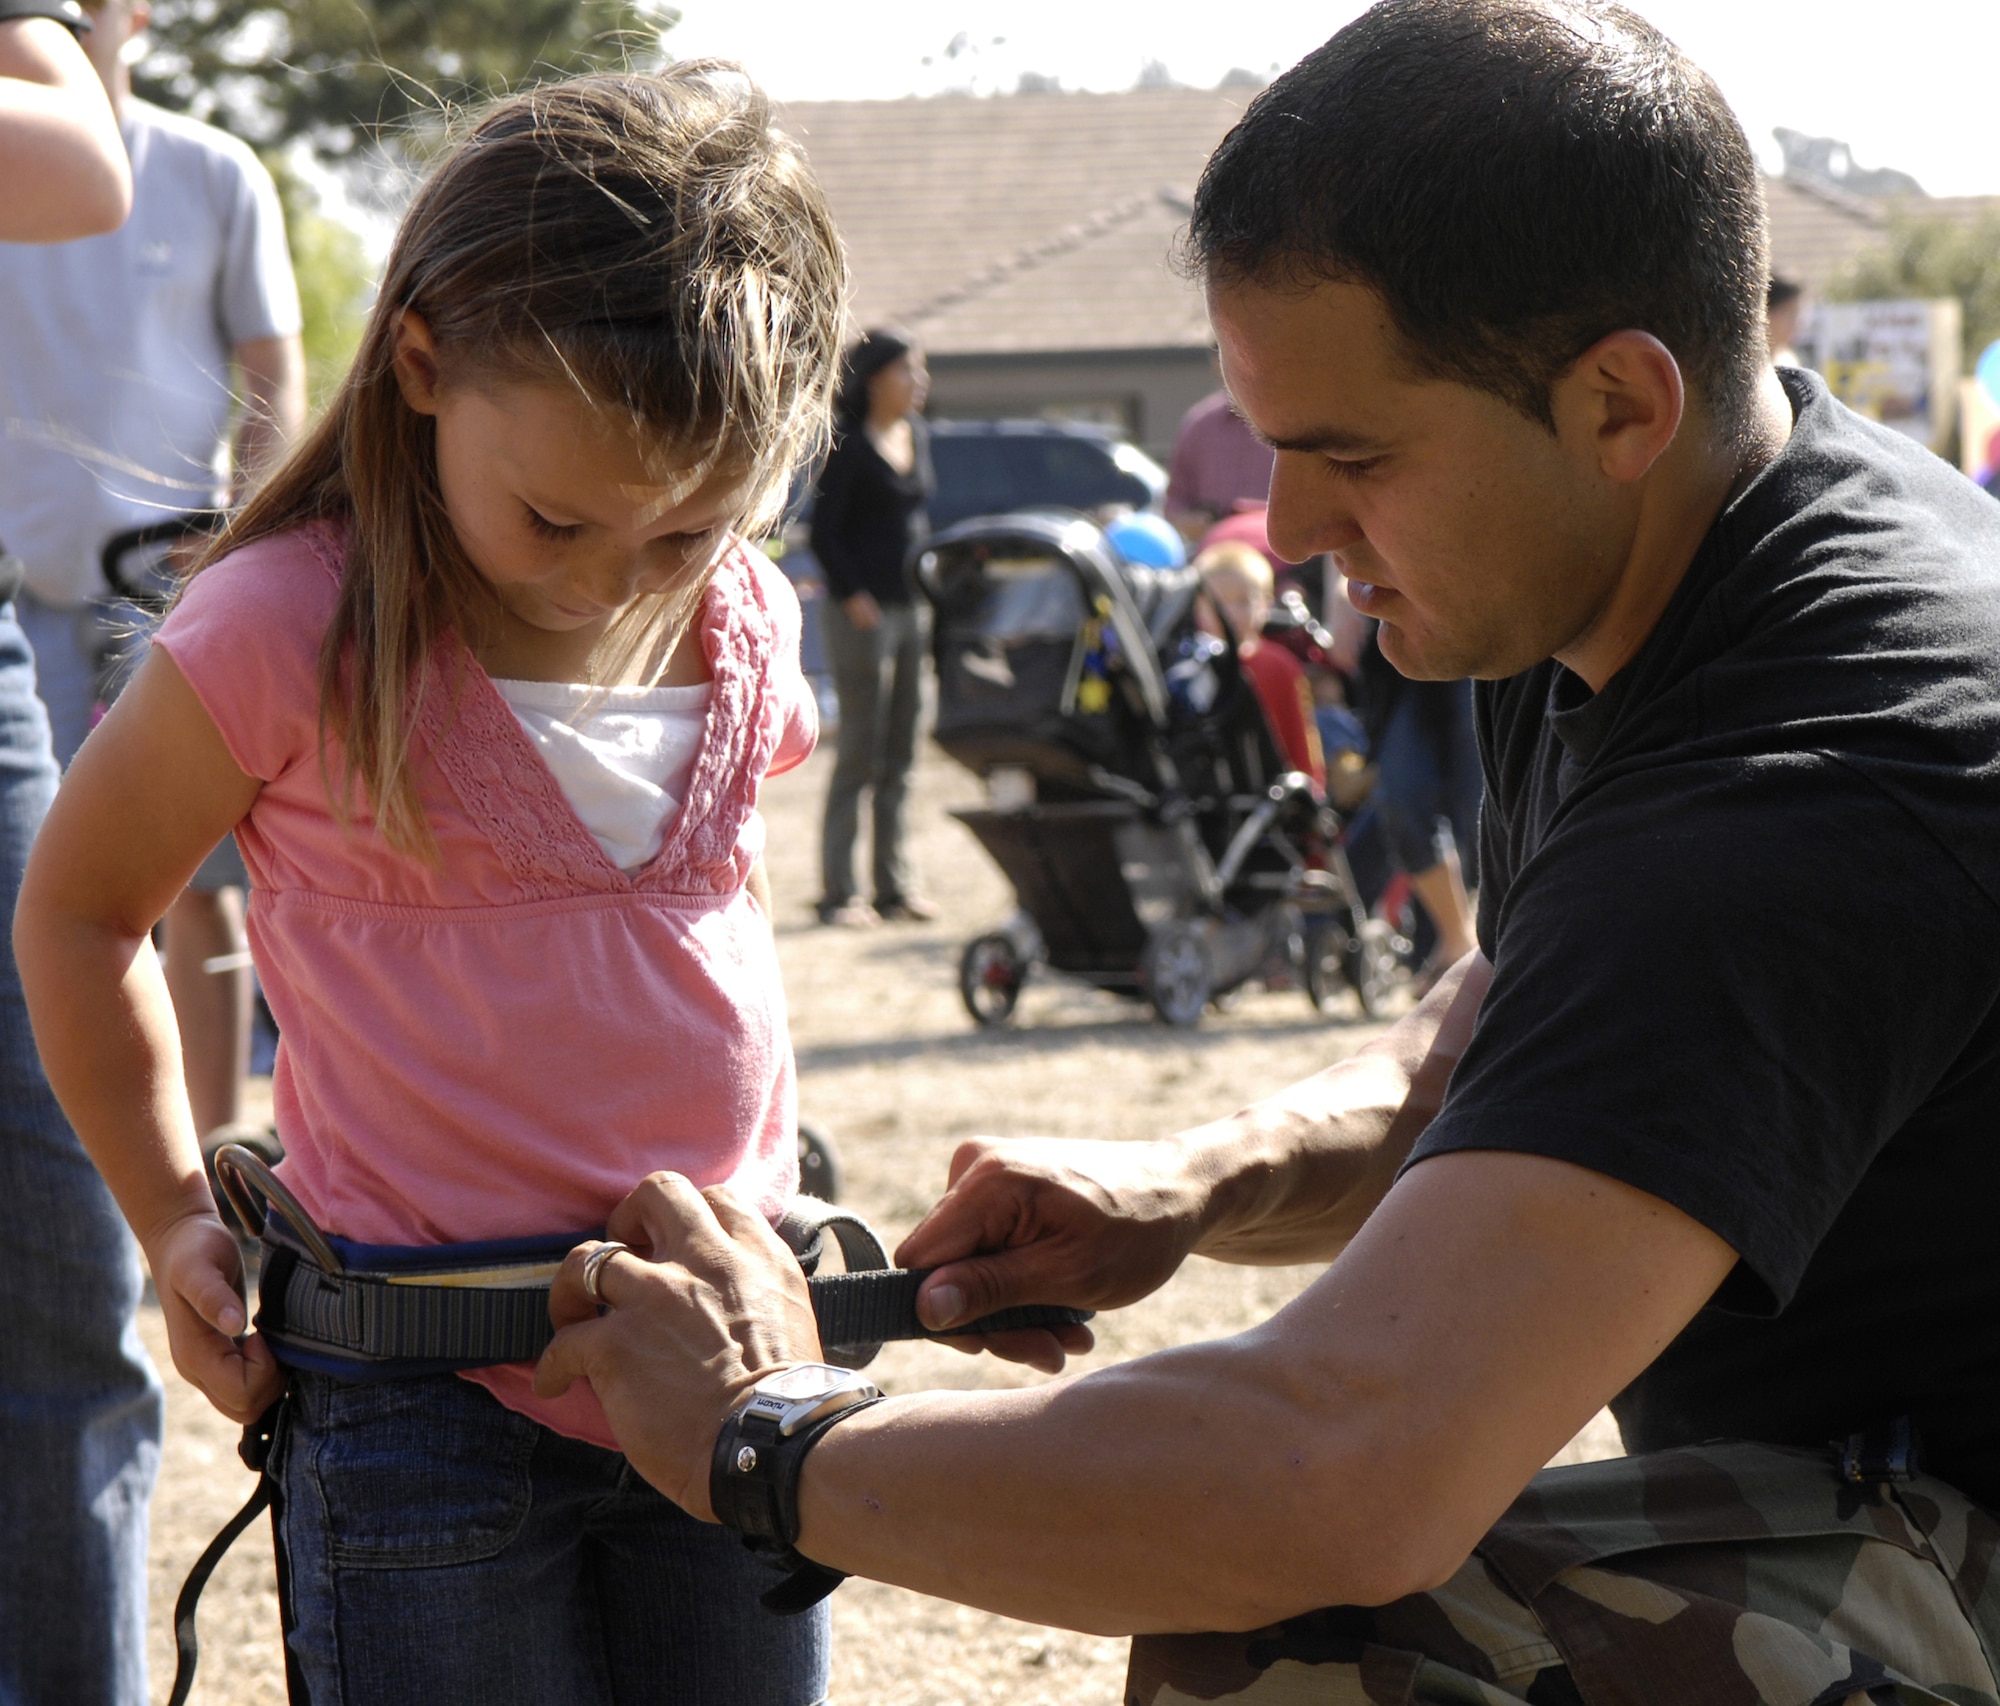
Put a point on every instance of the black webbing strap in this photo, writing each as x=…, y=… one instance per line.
x=361, y=1316
x=371, y=1324
x=870, y=1308
x=255, y=1450
x=365, y=1319
x=187, y=1647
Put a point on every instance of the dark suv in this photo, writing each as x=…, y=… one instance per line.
x=991, y=467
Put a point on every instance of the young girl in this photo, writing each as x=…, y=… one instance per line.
x=485, y=680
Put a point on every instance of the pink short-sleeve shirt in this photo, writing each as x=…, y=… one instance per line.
x=504, y=1043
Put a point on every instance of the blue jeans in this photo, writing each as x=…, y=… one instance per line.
x=444, y=1549
x=1430, y=780
x=79, y=1402
x=82, y=657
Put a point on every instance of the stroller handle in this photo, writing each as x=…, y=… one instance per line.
x=1287, y=788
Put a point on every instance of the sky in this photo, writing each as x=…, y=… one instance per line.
x=1914, y=85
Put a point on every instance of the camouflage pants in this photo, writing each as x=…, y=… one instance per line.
x=1730, y=1575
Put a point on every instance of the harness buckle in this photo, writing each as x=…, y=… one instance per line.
x=241, y=1171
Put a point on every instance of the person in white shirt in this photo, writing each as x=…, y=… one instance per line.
x=123, y=359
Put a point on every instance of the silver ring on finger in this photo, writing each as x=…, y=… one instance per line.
x=593, y=1265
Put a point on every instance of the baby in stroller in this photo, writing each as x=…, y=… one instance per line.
x=1161, y=842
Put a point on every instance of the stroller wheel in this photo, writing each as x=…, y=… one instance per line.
x=1176, y=974
x=819, y=1171
x=1326, y=962
x=990, y=974
x=1372, y=965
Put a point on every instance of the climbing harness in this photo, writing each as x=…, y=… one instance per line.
x=363, y=1312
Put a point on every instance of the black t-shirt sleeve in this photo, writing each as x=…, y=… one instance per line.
x=1727, y=985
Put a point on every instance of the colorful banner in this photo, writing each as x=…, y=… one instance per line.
x=1895, y=362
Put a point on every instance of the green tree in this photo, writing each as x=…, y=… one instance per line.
x=359, y=82
x=335, y=279
x=341, y=74
x=1933, y=255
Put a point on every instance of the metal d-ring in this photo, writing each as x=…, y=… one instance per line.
x=240, y=1170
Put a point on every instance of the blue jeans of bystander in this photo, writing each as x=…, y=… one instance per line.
x=445, y=1549
x=79, y=1402
x=1428, y=758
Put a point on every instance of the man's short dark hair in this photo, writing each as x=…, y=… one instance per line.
x=1515, y=179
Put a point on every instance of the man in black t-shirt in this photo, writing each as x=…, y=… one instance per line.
x=1709, y=1129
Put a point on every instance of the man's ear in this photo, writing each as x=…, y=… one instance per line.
x=1622, y=401
x=415, y=357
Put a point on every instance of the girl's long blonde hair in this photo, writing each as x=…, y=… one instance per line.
x=647, y=238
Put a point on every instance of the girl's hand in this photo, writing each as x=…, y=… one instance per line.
x=198, y=1272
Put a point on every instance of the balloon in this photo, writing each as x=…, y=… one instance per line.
x=1147, y=539
x=1988, y=372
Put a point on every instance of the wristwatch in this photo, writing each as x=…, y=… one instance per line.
x=68, y=13
x=753, y=1478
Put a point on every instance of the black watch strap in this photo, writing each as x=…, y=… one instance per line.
x=68, y=13
x=753, y=1486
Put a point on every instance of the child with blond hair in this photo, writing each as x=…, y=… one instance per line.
x=486, y=680
x=1238, y=582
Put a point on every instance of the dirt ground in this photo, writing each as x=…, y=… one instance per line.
x=890, y=1064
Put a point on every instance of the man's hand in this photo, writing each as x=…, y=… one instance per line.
x=709, y=1303
x=1100, y=1225
x=863, y=614
x=1088, y=1224
x=198, y=1272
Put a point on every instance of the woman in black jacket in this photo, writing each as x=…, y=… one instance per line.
x=868, y=521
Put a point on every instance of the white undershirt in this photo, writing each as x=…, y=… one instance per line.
x=620, y=754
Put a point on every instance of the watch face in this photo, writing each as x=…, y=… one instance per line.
x=807, y=1381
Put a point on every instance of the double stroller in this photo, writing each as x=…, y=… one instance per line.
x=1158, y=844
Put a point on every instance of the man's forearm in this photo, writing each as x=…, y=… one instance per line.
x=1193, y=1489
x=272, y=377
x=1291, y=1178
x=1221, y=1485
x=1099, y=1225
x=1350, y=1450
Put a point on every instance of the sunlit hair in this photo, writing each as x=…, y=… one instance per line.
x=650, y=240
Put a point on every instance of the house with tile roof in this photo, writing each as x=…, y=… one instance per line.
x=1028, y=239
